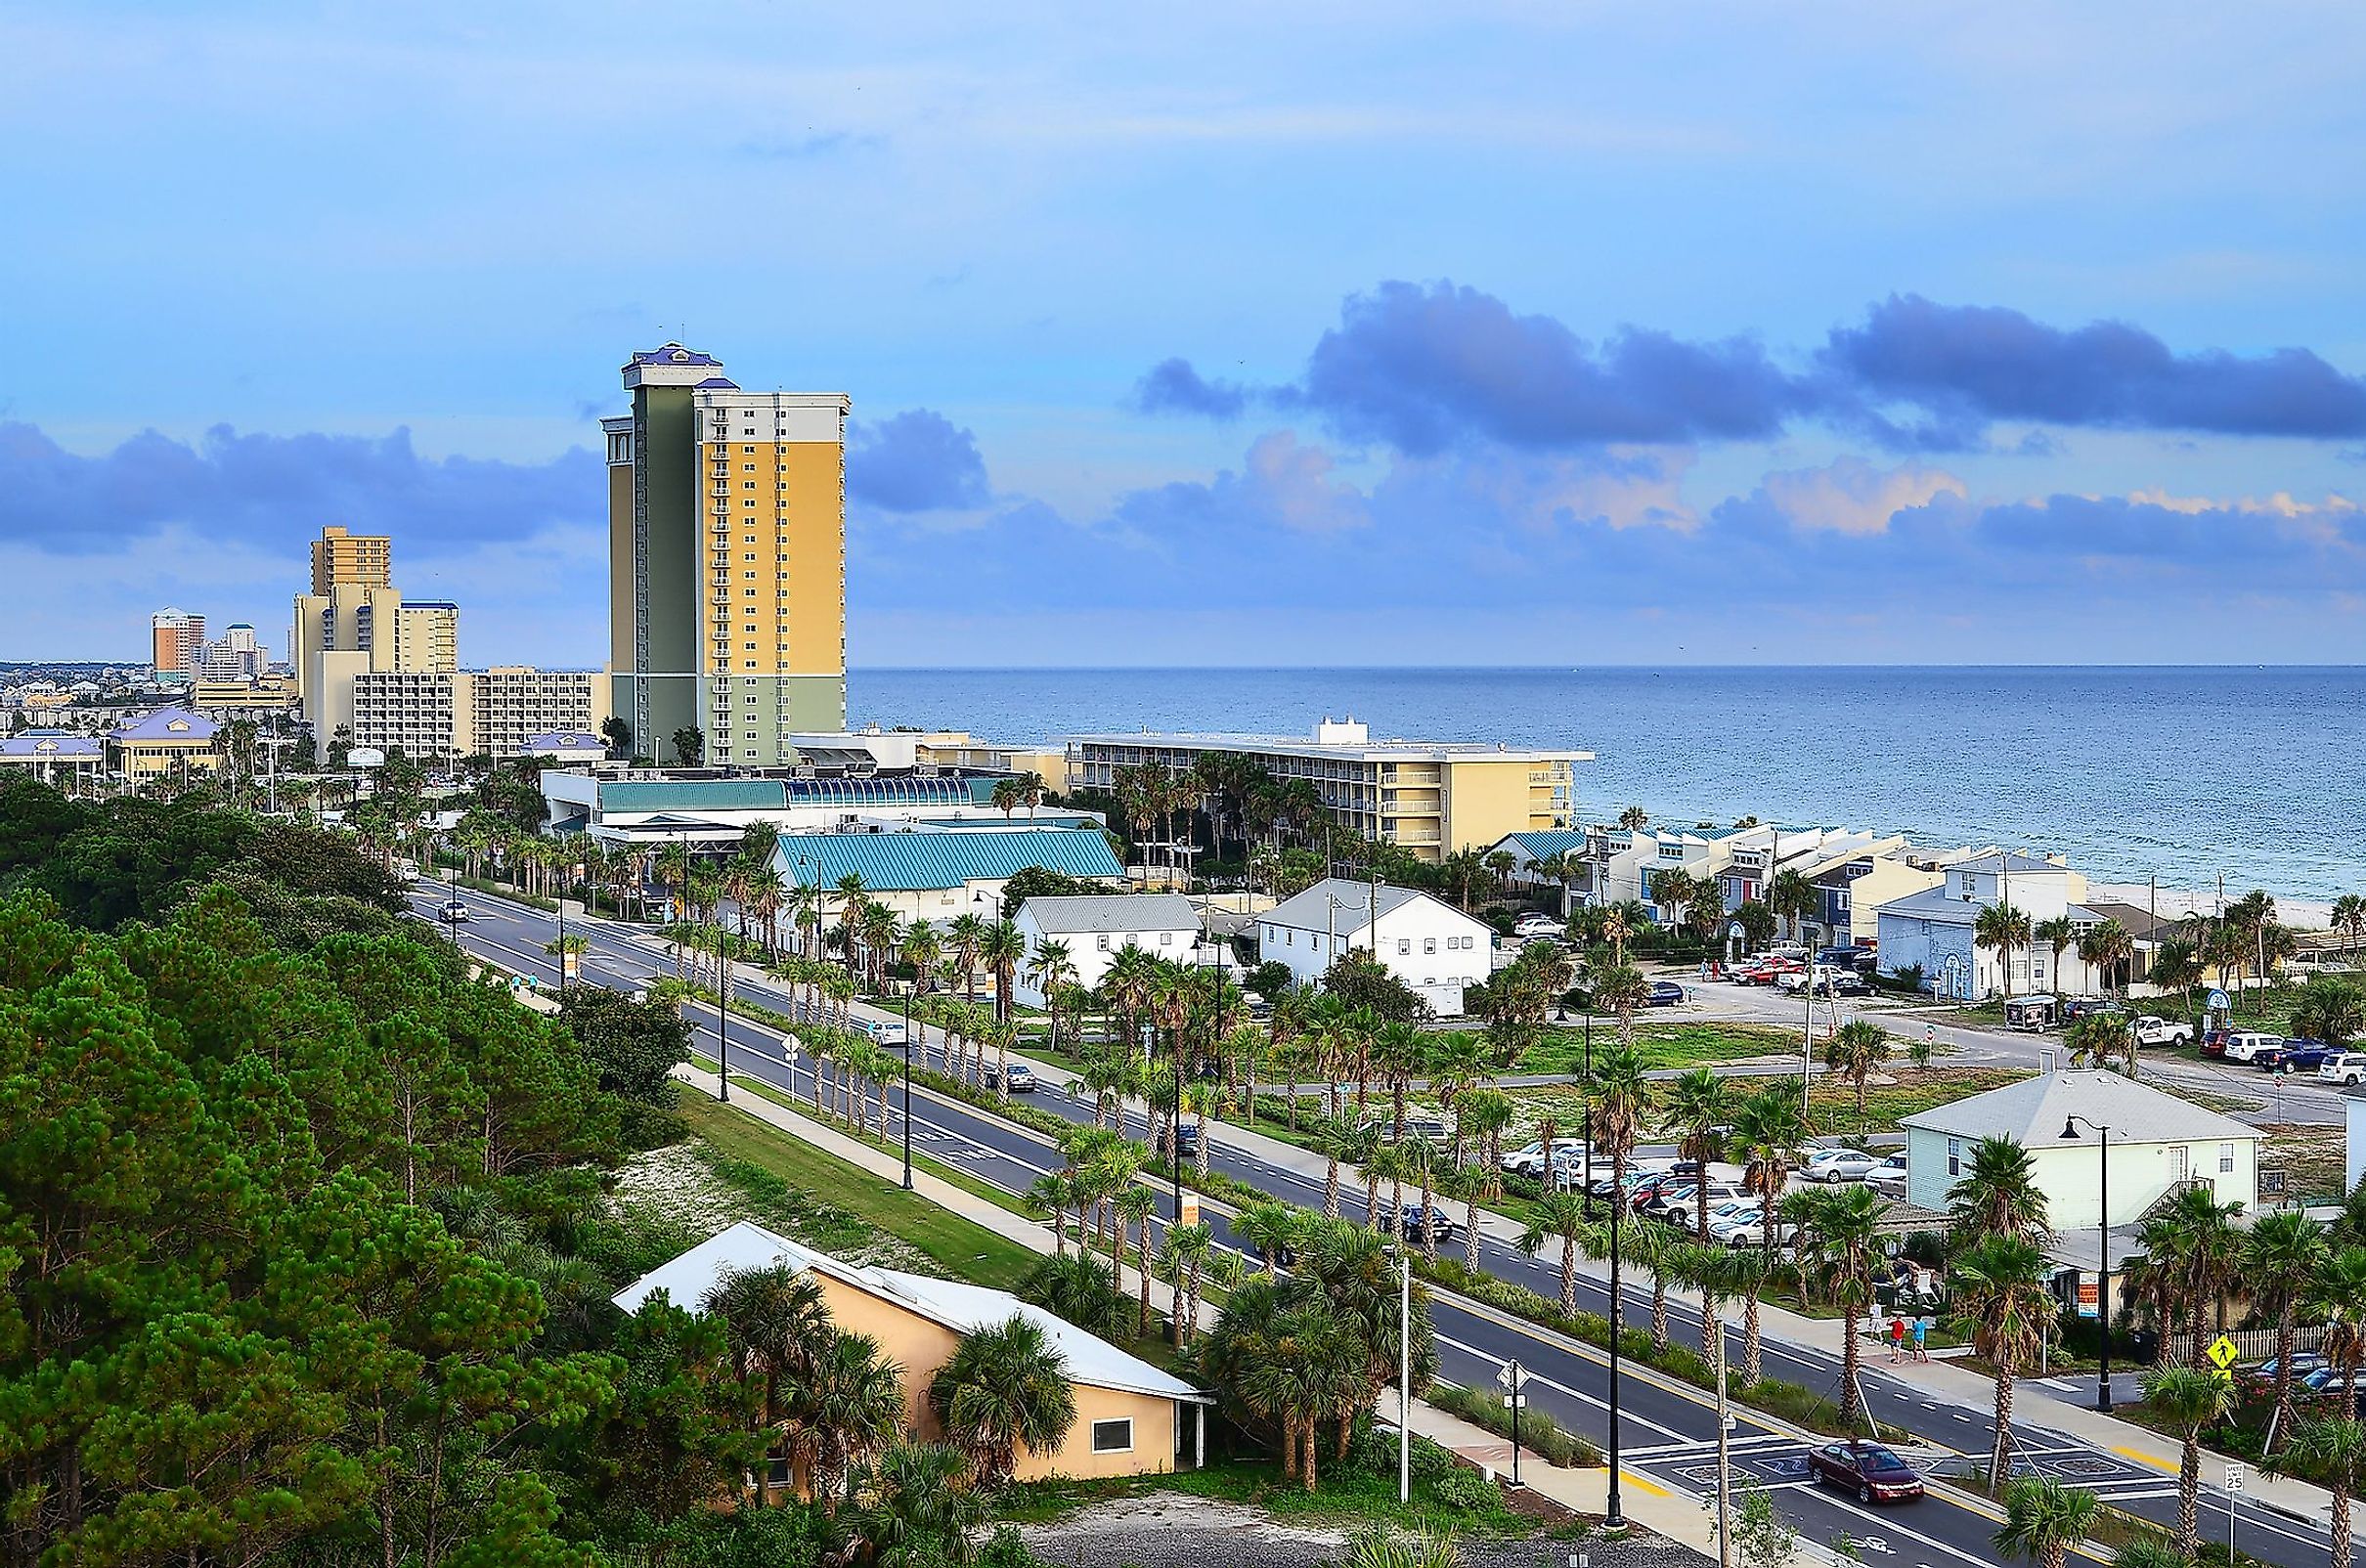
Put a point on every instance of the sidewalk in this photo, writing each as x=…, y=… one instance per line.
x=1948, y=1383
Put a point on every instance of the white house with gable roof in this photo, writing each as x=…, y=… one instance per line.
x=1431, y=945
x=1097, y=928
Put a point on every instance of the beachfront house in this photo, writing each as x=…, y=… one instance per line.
x=1932, y=931
x=1097, y=928
x=1132, y=1418
x=1431, y=945
x=939, y=874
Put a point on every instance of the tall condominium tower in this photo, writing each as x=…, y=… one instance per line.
x=175, y=642
x=726, y=561
x=365, y=560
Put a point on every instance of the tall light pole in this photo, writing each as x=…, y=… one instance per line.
x=2103, y=1261
x=1613, y=1517
x=1404, y=1373
x=908, y=987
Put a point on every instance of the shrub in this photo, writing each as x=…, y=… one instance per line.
x=1459, y=1488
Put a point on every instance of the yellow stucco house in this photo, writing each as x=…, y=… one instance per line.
x=1132, y=1418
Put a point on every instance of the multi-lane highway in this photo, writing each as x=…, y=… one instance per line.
x=1666, y=1429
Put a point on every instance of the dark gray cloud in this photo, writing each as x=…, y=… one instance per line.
x=1173, y=386
x=917, y=461
x=1965, y=365
x=272, y=492
x=1423, y=368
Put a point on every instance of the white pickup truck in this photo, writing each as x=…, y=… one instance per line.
x=2151, y=1029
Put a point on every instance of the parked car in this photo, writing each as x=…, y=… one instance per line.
x=1678, y=1203
x=2349, y=1067
x=1537, y=926
x=1752, y=1232
x=1529, y=1159
x=2213, y=1043
x=1665, y=993
x=2153, y=1029
x=2264, y=1376
x=2078, y=1007
x=2302, y=1056
x=1417, y=1124
x=1889, y=1177
x=1722, y=1225
x=1872, y=1471
x=1822, y=981
x=453, y=912
x=2249, y=1045
x=1832, y=1166
x=1731, y=1211
x=1022, y=1078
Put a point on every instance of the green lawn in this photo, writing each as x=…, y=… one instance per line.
x=1661, y=1045
x=964, y=1249
x=1832, y=1105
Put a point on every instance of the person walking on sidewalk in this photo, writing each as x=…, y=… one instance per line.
x=1922, y=1328
x=1897, y=1337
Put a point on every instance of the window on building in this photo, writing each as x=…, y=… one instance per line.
x=1428, y=944
x=1404, y=945
x=1102, y=943
x=1113, y=1437
x=2226, y=1159
x=749, y=450
x=1954, y=1156
x=1167, y=938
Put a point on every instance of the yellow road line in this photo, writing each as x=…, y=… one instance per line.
x=1628, y=1477
x=2142, y=1457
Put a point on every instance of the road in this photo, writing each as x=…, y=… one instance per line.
x=1666, y=1431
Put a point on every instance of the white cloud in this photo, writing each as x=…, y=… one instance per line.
x=1850, y=496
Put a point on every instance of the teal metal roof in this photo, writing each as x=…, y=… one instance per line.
x=1549, y=841
x=694, y=795
x=911, y=862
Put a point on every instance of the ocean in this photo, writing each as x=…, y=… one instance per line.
x=2135, y=772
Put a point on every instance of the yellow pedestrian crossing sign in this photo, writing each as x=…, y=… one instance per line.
x=2222, y=1352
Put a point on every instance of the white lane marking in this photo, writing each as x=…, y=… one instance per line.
x=1583, y=1398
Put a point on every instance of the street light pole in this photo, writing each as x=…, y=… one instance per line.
x=1613, y=1517
x=2103, y=1260
x=1404, y=1376
x=907, y=1084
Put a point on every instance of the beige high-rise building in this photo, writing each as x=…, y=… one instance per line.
x=355, y=623
x=365, y=560
x=726, y=561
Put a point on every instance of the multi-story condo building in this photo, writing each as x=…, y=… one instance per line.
x=446, y=714
x=726, y=561
x=361, y=561
x=176, y=642
x=355, y=624
x=1431, y=796
x=235, y=655
x=511, y=705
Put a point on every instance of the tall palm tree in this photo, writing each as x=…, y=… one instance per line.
x=1271, y=1229
x=2000, y=928
x=1659, y=1250
x=1004, y=1388
x=2349, y=917
x=2044, y=1519
x=2339, y=1295
x=2281, y=1259
x=849, y=1405
x=2057, y=933
x=777, y=1324
x=1792, y=899
x=1698, y=1105
x=2329, y=1451
x=2185, y=1401
x=1002, y=949
x=1465, y=1184
x=1051, y=970
x=1188, y=1250
x=2000, y=1299
x=2194, y=1249
x=1562, y=1215
x=1997, y=1195
x=1137, y=1205
x=1749, y=1274
x=1769, y=1127
x=1836, y=1247
x=1855, y=1053
x=2108, y=949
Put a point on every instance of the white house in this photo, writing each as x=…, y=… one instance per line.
x=1431, y=946
x=1933, y=929
x=2158, y=1142
x=1097, y=928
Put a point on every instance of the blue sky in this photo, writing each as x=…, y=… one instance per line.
x=1245, y=335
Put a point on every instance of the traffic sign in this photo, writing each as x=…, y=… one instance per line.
x=2222, y=1352
x=1512, y=1400
x=2222, y=1378
x=1512, y=1375
x=2234, y=1478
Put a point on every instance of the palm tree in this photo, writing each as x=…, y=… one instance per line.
x=1769, y=1127
x=1137, y=1205
x=2001, y=1300
x=1002, y=949
x=1189, y=1249
x=2056, y=933
x=1004, y=1388
x=2176, y=966
x=1855, y=1053
x=1836, y=1249
x=2109, y=950
x=777, y=1324
x=2281, y=1258
x=1659, y=1249
x=2330, y=1010
x=2329, y=1451
x=2185, y=1401
x=1749, y=1274
x=1271, y=1229
x=1698, y=1105
x=1997, y=1195
x=964, y=936
x=2339, y=1295
x=1791, y=898
x=2349, y=917
x=2000, y=928
x=849, y=1405
x=1051, y=970
x=913, y=1509
x=2044, y=1519
x=1562, y=1215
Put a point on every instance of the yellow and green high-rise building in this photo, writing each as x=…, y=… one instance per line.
x=726, y=561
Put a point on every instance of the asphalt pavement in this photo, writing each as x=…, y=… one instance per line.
x=1666, y=1431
